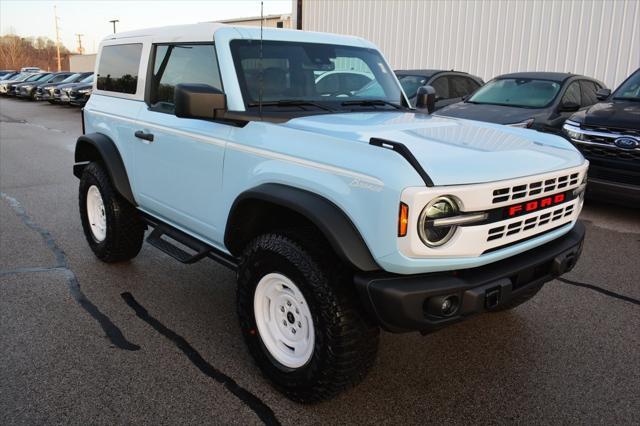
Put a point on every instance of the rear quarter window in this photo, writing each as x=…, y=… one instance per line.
x=118, y=68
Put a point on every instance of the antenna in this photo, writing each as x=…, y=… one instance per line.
x=261, y=70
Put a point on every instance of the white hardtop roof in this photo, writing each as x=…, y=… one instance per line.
x=205, y=31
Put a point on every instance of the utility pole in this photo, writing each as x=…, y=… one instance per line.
x=80, y=49
x=55, y=15
x=113, y=21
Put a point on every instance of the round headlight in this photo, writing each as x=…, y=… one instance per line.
x=439, y=208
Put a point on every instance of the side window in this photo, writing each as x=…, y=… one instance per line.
x=472, y=85
x=441, y=84
x=461, y=86
x=572, y=94
x=118, y=68
x=181, y=63
x=328, y=84
x=589, y=90
x=353, y=82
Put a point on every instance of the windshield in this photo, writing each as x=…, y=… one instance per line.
x=36, y=77
x=71, y=78
x=630, y=89
x=87, y=79
x=521, y=92
x=20, y=77
x=313, y=75
x=411, y=83
x=46, y=78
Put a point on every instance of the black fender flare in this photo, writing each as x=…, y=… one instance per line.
x=99, y=147
x=334, y=224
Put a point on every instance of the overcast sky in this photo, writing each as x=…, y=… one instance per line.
x=91, y=18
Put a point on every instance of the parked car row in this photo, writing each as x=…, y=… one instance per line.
x=55, y=87
x=605, y=127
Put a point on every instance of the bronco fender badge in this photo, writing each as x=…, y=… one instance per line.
x=357, y=183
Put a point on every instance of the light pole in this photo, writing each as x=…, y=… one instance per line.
x=113, y=21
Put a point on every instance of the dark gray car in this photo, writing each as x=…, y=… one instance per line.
x=450, y=86
x=536, y=100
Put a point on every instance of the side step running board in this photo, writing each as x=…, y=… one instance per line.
x=197, y=250
x=155, y=239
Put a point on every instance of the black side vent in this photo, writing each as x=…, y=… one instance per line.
x=406, y=153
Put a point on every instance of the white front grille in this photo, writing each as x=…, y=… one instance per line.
x=474, y=240
x=545, y=217
x=534, y=188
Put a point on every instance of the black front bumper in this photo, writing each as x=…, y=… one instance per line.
x=403, y=302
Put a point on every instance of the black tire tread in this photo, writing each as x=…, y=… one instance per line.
x=125, y=229
x=353, y=338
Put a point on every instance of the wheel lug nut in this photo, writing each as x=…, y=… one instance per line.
x=281, y=308
x=299, y=324
x=293, y=330
x=288, y=303
x=297, y=311
x=284, y=322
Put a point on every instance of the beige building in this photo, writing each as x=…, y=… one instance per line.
x=277, y=21
x=597, y=38
x=82, y=63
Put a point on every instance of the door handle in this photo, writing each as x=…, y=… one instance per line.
x=142, y=135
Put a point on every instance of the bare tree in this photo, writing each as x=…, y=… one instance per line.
x=17, y=52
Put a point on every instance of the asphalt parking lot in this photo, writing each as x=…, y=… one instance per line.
x=154, y=341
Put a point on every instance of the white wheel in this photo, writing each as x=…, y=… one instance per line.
x=284, y=320
x=96, y=214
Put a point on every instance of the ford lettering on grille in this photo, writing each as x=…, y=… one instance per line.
x=535, y=205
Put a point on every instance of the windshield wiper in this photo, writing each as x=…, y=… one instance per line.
x=370, y=102
x=628, y=98
x=291, y=102
x=499, y=104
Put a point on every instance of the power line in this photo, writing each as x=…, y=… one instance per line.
x=56, y=19
x=80, y=49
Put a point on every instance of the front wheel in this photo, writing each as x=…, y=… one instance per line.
x=112, y=226
x=301, y=319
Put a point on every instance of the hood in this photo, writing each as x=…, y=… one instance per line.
x=613, y=113
x=82, y=86
x=452, y=151
x=499, y=114
x=66, y=86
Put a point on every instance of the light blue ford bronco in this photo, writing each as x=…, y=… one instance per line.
x=295, y=159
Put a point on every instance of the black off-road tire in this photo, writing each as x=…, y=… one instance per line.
x=346, y=341
x=523, y=297
x=125, y=229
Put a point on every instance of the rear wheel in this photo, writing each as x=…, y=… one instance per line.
x=112, y=226
x=301, y=319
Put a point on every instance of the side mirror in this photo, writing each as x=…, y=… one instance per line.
x=199, y=101
x=569, y=106
x=603, y=94
x=426, y=98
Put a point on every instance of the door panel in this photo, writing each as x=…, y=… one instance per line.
x=179, y=161
x=179, y=175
